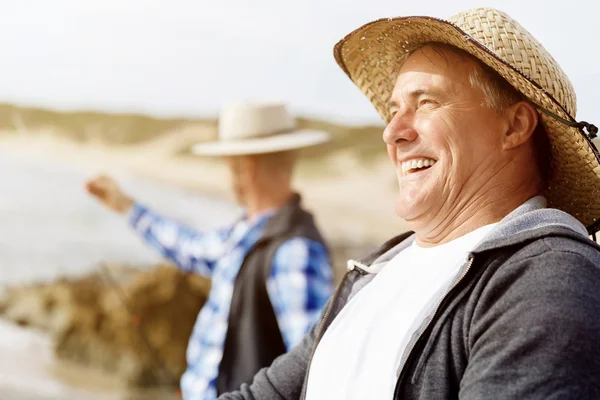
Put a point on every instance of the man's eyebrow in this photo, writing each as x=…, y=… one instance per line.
x=420, y=91
x=412, y=94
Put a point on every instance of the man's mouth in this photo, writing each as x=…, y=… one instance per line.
x=416, y=164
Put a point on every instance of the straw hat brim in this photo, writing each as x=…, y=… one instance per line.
x=261, y=145
x=369, y=56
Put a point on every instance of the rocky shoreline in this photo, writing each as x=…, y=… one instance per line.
x=129, y=323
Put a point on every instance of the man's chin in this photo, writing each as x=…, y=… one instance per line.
x=408, y=210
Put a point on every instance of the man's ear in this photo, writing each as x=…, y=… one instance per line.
x=522, y=121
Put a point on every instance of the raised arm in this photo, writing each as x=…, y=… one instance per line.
x=191, y=250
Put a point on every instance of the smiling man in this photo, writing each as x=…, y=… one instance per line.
x=459, y=138
x=495, y=292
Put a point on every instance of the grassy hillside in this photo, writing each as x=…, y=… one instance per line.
x=84, y=125
x=120, y=129
x=364, y=141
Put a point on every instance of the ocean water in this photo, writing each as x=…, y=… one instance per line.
x=50, y=227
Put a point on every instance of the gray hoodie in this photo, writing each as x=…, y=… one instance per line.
x=520, y=321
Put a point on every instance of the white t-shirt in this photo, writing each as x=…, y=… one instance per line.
x=360, y=353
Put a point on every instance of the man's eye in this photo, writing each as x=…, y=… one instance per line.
x=425, y=102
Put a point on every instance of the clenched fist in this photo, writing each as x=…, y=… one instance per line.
x=110, y=194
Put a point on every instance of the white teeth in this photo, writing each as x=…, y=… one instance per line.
x=407, y=166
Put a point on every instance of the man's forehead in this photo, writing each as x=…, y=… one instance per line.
x=436, y=59
x=433, y=67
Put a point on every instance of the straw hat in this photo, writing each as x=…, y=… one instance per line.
x=369, y=56
x=258, y=128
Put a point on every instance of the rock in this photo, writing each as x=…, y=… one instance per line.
x=26, y=307
x=136, y=329
x=148, y=337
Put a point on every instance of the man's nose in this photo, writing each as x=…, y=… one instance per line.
x=399, y=129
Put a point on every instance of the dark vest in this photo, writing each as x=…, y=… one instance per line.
x=253, y=338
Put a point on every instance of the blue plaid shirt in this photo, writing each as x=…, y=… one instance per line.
x=300, y=283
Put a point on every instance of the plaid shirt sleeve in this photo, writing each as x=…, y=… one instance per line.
x=300, y=284
x=192, y=251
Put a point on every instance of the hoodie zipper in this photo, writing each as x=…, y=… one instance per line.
x=437, y=307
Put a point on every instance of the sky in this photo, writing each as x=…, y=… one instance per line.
x=191, y=57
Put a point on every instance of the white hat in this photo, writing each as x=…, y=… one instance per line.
x=258, y=128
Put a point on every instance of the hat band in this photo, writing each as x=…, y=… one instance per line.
x=260, y=135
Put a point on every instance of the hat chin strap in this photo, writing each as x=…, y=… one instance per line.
x=592, y=130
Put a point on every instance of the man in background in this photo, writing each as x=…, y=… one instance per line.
x=270, y=271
